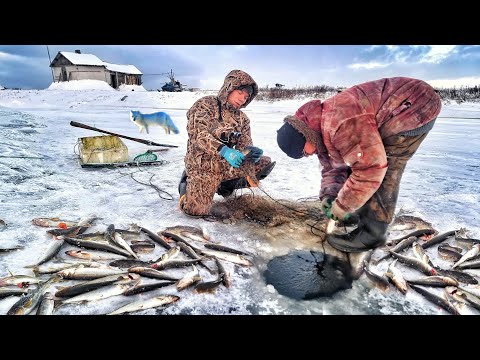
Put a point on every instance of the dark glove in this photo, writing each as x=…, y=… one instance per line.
x=255, y=153
x=326, y=204
x=336, y=213
x=234, y=157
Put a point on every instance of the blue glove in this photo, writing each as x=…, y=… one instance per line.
x=255, y=153
x=234, y=157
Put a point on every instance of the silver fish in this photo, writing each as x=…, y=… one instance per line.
x=118, y=239
x=380, y=281
x=219, y=247
x=234, y=258
x=19, y=280
x=223, y=274
x=435, y=281
x=50, y=252
x=87, y=221
x=189, y=279
x=171, y=254
x=460, y=276
x=151, y=273
x=142, y=246
x=473, y=289
x=415, y=263
x=210, y=286
x=47, y=304
x=440, y=301
x=72, y=231
x=405, y=243
x=98, y=294
x=396, y=277
x=110, y=232
x=55, y=266
x=88, y=273
x=158, y=239
x=471, y=264
x=200, y=232
x=192, y=254
x=416, y=233
x=12, y=248
x=192, y=236
x=147, y=287
x=146, y=304
x=470, y=254
x=27, y=303
x=97, y=245
x=448, y=252
x=471, y=300
x=420, y=254
x=438, y=239
x=168, y=264
x=53, y=222
x=95, y=284
x=128, y=263
x=94, y=255
x=11, y=291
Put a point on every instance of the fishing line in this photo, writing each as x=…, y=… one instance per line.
x=159, y=191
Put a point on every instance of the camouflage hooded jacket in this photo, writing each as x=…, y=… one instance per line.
x=348, y=129
x=206, y=127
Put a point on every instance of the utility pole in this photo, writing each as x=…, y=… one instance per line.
x=48, y=51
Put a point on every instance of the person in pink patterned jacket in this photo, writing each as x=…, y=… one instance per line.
x=363, y=137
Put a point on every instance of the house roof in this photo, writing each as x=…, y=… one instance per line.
x=82, y=59
x=89, y=59
x=126, y=69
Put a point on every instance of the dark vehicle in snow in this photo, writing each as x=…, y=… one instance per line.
x=173, y=85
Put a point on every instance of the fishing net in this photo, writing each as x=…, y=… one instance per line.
x=270, y=213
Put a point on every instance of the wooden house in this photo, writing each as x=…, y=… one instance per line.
x=77, y=66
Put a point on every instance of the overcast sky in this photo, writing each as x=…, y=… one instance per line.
x=205, y=66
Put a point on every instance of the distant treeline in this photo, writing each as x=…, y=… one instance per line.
x=459, y=95
x=281, y=93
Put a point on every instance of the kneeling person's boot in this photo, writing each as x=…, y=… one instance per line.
x=182, y=189
x=227, y=187
x=263, y=173
x=182, y=186
x=370, y=234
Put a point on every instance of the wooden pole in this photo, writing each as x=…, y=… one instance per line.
x=147, y=142
x=48, y=51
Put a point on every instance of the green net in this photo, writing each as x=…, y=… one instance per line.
x=148, y=156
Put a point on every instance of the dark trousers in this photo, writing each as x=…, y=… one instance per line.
x=399, y=149
x=202, y=185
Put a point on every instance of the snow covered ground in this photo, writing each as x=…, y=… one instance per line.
x=41, y=177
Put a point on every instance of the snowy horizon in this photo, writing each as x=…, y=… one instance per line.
x=205, y=66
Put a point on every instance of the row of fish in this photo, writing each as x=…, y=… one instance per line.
x=459, y=281
x=115, y=262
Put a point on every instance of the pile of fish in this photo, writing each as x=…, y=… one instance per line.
x=453, y=286
x=119, y=262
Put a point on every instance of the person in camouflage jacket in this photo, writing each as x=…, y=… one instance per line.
x=363, y=137
x=220, y=154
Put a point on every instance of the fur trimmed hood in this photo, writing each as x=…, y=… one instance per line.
x=233, y=80
x=310, y=135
